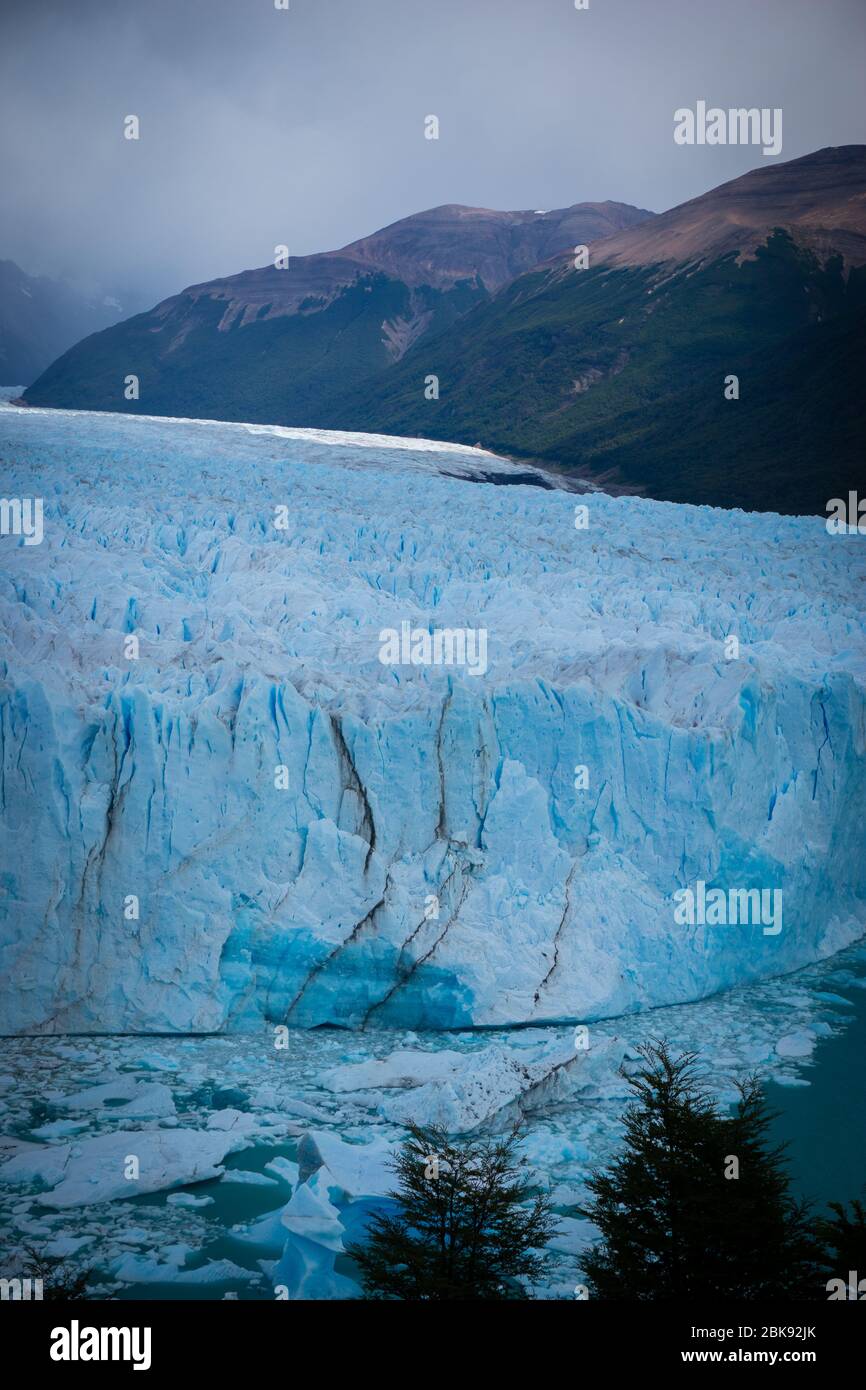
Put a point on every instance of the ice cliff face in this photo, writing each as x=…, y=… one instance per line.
x=244, y=817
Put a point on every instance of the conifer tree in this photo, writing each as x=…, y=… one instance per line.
x=61, y=1282
x=844, y=1238
x=697, y=1205
x=467, y=1225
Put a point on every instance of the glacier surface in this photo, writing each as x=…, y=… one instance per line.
x=221, y=811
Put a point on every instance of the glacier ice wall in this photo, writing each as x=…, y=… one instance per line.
x=255, y=821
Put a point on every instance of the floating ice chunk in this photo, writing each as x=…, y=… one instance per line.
x=462, y=1090
x=267, y=1233
x=284, y=1169
x=800, y=1043
x=573, y=1235
x=248, y=1178
x=306, y=1271
x=155, y=1061
x=23, y=1162
x=216, y=1272
x=11, y=1145
x=187, y=1199
x=350, y=1170
x=126, y=1097
x=59, y=1129
x=93, y=1170
x=237, y=1120
x=177, y=1253
x=303, y=1110
x=270, y=1097
x=63, y=1247
x=135, y=1235
x=140, y=1269
x=311, y=1214
x=404, y=1068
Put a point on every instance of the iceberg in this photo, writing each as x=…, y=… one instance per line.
x=341, y=1186
x=220, y=810
x=463, y=1091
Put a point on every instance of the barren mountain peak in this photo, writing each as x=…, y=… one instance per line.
x=820, y=199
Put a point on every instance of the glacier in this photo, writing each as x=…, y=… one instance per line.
x=221, y=812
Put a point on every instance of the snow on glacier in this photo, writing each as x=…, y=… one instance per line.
x=431, y=863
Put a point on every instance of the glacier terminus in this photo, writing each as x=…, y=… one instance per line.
x=222, y=810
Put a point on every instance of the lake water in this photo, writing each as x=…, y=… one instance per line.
x=824, y=1123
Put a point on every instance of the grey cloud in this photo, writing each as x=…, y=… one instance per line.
x=306, y=127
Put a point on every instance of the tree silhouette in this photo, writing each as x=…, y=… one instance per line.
x=698, y=1204
x=467, y=1225
x=60, y=1281
x=845, y=1239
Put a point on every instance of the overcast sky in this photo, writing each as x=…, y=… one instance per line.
x=306, y=126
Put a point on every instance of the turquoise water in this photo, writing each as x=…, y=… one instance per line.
x=824, y=1123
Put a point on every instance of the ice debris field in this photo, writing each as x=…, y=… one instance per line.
x=258, y=1166
x=221, y=811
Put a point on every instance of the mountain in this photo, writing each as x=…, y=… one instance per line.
x=820, y=199
x=618, y=371
x=40, y=318
x=285, y=345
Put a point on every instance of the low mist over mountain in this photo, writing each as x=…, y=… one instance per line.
x=285, y=345
x=40, y=318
